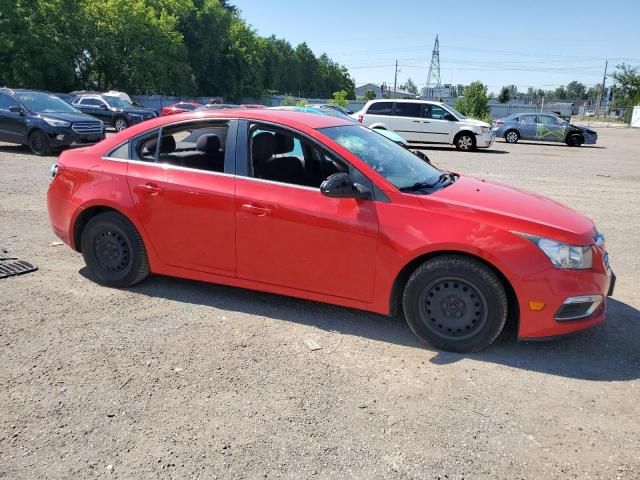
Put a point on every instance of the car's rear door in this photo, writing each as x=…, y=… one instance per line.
x=289, y=234
x=407, y=121
x=186, y=211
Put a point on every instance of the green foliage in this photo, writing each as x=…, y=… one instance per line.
x=339, y=98
x=182, y=47
x=369, y=95
x=504, y=95
x=626, y=92
x=301, y=103
x=475, y=102
x=289, y=101
x=410, y=87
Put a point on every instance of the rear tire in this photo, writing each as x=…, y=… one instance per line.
x=120, y=124
x=465, y=141
x=39, y=143
x=512, y=136
x=455, y=303
x=114, y=251
x=575, y=140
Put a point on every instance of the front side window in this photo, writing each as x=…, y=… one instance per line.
x=395, y=163
x=117, y=102
x=406, y=109
x=549, y=121
x=90, y=102
x=280, y=156
x=528, y=118
x=437, y=113
x=380, y=108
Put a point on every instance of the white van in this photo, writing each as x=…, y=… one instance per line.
x=424, y=121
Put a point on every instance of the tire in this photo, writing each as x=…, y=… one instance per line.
x=465, y=141
x=114, y=251
x=39, y=143
x=575, y=140
x=455, y=303
x=512, y=136
x=120, y=124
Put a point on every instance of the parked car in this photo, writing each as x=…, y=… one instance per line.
x=219, y=106
x=394, y=137
x=44, y=122
x=423, y=121
x=112, y=110
x=353, y=220
x=590, y=113
x=179, y=107
x=252, y=105
x=543, y=126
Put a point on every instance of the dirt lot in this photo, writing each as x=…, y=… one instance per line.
x=177, y=379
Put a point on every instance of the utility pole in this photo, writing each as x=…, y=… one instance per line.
x=604, y=79
x=395, y=80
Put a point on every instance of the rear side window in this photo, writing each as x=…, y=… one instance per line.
x=380, y=108
x=408, y=109
x=6, y=102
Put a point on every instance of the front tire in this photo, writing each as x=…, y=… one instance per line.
x=512, y=136
x=575, y=140
x=39, y=143
x=465, y=141
x=455, y=303
x=114, y=251
x=120, y=124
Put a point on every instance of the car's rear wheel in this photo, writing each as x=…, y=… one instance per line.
x=512, y=136
x=120, y=124
x=575, y=140
x=465, y=141
x=39, y=143
x=114, y=251
x=455, y=303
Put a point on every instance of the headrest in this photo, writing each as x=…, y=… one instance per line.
x=167, y=144
x=208, y=143
x=263, y=146
x=284, y=143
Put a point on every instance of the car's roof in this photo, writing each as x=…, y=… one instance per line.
x=406, y=100
x=12, y=91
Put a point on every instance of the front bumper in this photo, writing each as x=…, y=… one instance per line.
x=485, y=140
x=554, y=288
x=66, y=137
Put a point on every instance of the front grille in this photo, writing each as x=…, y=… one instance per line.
x=87, y=127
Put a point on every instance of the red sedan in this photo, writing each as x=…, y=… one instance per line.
x=324, y=209
x=181, y=107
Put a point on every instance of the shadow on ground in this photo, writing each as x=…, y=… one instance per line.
x=452, y=148
x=606, y=353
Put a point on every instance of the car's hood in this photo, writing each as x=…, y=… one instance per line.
x=70, y=116
x=474, y=122
x=512, y=209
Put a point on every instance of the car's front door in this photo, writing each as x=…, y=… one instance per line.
x=435, y=126
x=528, y=126
x=551, y=128
x=183, y=191
x=290, y=234
x=12, y=124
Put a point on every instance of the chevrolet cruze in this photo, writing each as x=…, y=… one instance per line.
x=321, y=208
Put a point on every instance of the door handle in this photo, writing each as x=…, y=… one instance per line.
x=255, y=210
x=426, y=121
x=416, y=121
x=148, y=189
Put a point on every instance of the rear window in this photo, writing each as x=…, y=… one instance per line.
x=380, y=108
x=408, y=109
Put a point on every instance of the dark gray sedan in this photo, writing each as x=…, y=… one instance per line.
x=543, y=127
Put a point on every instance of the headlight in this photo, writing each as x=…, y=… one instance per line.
x=485, y=129
x=561, y=254
x=56, y=123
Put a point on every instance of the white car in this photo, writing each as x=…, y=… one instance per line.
x=424, y=121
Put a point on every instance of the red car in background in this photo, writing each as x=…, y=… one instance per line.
x=321, y=208
x=180, y=107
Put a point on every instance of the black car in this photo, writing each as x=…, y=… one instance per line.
x=45, y=122
x=113, y=111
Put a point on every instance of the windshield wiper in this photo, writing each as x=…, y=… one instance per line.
x=445, y=177
x=417, y=186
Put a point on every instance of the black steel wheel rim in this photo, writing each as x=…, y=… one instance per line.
x=112, y=251
x=37, y=142
x=453, y=308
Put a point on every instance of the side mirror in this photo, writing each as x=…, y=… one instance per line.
x=450, y=117
x=340, y=185
x=15, y=109
x=103, y=106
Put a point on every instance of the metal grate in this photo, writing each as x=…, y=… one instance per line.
x=87, y=127
x=10, y=266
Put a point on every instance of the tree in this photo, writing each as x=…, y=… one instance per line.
x=475, y=102
x=339, y=98
x=504, y=95
x=576, y=90
x=410, y=87
x=369, y=95
x=626, y=92
x=560, y=93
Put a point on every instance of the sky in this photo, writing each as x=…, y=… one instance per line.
x=538, y=43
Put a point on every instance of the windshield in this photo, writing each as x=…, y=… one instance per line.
x=117, y=102
x=395, y=163
x=44, y=103
x=456, y=113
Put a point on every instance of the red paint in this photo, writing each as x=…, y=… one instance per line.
x=178, y=108
x=290, y=240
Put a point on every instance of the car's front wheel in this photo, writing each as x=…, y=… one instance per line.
x=511, y=136
x=575, y=140
x=120, y=124
x=114, y=251
x=465, y=141
x=39, y=143
x=455, y=303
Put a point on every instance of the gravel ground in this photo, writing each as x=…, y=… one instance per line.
x=179, y=379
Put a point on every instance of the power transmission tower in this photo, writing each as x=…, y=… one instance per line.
x=433, y=78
